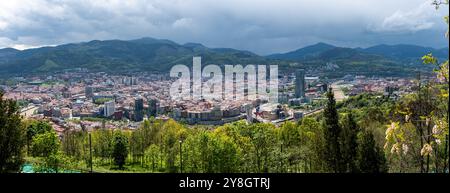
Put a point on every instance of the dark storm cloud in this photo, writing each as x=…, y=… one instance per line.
x=257, y=25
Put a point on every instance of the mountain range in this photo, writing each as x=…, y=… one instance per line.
x=118, y=55
x=150, y=54
x=395, y=52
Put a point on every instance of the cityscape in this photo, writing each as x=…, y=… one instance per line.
x=137, y=87
x=126, y=100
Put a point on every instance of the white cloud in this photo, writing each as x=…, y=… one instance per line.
x=6, y=42
x=183, y=23
x=23, y=46
x=421, y=18
x=3, y=25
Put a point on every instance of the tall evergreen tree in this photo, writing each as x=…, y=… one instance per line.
x=332, y=132
x=120, y=149
x=371, y=158
x=349, y=143
x=12, y=136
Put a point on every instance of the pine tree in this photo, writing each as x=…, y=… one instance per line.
x=371, y=158
x=120, y=150
x=332, y=132
x=349, y=143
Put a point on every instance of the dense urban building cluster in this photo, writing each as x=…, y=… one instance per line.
x=78, y=99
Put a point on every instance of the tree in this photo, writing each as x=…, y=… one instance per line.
x=290, y=149
x=332, y=133
x=142, y=138
x=103, y=143
x=120, y=149
x=72, y=143
x=371, y=158
x=290, y=134
x=206, y=165
x=224, y=153
x=312, y=133
x=438, y=136
x=152, y=153
x=172, y=133
x=45, y=144
x=424, y=112
x=263, y=141
x=53, y=162
x=349, y=143
x=12, y=136
x=34, y=128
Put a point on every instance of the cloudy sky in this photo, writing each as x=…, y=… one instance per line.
x=261, y=26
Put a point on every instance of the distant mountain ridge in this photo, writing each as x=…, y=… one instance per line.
x=398, y=52
x=8, y=51
x=150, y=54
x=404, y=51
x=118, y=55
x=305, y=52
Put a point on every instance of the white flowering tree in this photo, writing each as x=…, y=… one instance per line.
x=423, y=121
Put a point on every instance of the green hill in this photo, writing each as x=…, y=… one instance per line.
x=149, y=54
x=116, y=55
